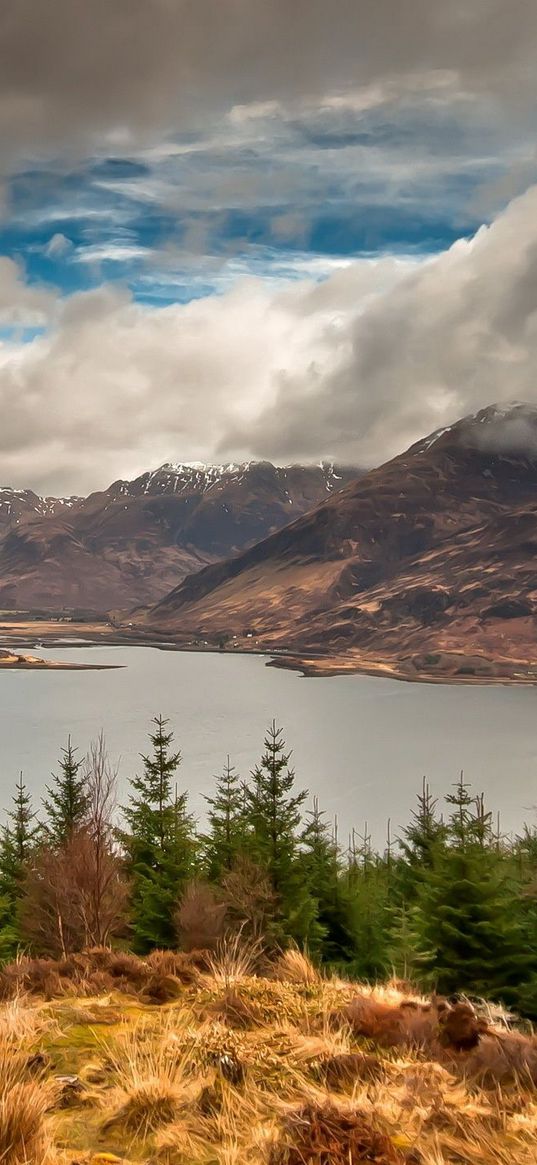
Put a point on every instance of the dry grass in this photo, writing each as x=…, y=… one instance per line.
x=235, y=959
x=150, y=1065
x=25, y=1096
x=294, y=966
x=240, y=1068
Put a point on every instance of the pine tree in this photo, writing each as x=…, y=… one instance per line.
x=159, y=844
x=368, y=877
x=67, y=803
x=226, y=835
x=320, y=860
x=470, y=917
x=273, y=815
x=419, y=843
x=18, y=840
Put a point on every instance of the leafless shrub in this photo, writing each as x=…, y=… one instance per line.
x=76, y=896
x=250, y=899
x=200, y=917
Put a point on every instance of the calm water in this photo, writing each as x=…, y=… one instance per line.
x=361, y=744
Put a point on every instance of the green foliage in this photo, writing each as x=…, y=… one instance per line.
x=226, y=835
x=17, y=843
x=159, y=844
x=67, y=803
x=451, y=904
x=470, y=918
x=369, y=881
x=419, y=842
x=321, y=862
x=273, y=817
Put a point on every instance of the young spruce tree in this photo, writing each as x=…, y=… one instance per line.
x=158, y=842
x=469, y=913
x=17, y=842
x=321, y=863
x=273, y=816
x=224, y=841
x=369, y=884
x=67, y=803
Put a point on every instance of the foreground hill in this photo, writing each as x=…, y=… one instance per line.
x=424, y=566
x=188, y=1061
x=134, y=541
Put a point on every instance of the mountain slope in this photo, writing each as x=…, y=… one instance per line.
x=132, y=542
x=434, y=549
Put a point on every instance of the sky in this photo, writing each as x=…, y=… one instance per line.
x=236, y=229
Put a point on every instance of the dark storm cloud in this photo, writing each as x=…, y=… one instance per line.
x=73, y=71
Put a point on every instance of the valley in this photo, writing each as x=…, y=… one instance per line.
x=422, y=569
x=131, y=543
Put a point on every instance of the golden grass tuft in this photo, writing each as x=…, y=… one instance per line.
x=25, y=1098
x=150, y=1071
x=235, y=958
x=24, y=1138
x=293, y=966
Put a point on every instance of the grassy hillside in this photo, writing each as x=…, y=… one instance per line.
x=284, y=1068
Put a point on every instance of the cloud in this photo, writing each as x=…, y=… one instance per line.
x=453, y=335
x=514, y=434
x=21, y=305
x=114, y=387
x=120, y=71
x=58, y=246
x=356, y=366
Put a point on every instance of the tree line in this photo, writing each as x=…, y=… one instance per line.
x=450, y=904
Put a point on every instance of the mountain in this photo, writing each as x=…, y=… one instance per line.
x=417, y=567
x=131, y=543
x=20, y=505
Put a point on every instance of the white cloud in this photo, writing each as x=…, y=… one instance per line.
x=455, y=334
x=356, y=366
x=57, y=246
x=21, y=305
x=111, y=253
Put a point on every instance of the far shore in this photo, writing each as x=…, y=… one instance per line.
x=9, y=661
x=20, y=635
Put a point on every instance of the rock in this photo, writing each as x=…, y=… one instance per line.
x=71, y=1089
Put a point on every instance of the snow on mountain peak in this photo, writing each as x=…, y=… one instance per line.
x=497, y=428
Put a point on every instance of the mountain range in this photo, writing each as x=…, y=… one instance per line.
x=131, y=543
x=422, y=567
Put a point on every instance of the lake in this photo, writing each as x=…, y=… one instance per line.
x=361, y=744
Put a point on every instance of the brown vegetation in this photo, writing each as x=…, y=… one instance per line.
x=97, y=971
x=319, y=1134
x=201, y=917
x=241, y=1068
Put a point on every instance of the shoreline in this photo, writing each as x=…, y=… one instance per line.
x=16, y=657
x=19, y=638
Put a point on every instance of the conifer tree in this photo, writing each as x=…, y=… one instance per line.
x=225, y=838
x=273, y=815
x=67, y=803
x=321, y=863
x=368, y=878
x=419, y=842
x=17, y=842
x=469, y=914
x=159, y=843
